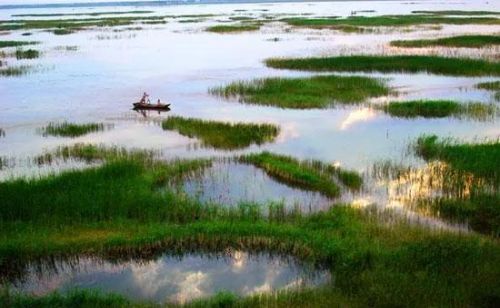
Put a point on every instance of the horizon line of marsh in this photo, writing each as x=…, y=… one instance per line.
x=305, y=92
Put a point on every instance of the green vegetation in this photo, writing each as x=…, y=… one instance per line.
x=66, y=129
x=470, y=41
x=241, y=18
x=481, y=160
x=457, y=12
x=71, y=24
x=82, y=14
x=439, y=109
x=27, y=54
x=12, y=71
x=493, y=85
x=392, y=64
x=302, y=93
x=63, y=31
x=4, y=44
x=116, y=211
x=222, y=135
x=302, y=174
x=475, y=168
x=388, y=21
x=233, y=28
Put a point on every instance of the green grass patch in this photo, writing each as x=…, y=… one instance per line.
x=457, y=12
x=310, y=175
x=82, y=14
x=493, y=85
x=116, y=211
x=233, y=28
x=469, y=41
x=303, y=93
x=222, y=135
x=388, y=21
x=481, y=159
x=439, y=109
x=13, y=71
x=4, y=44
x=392, y=64
x=27, y=54
x=66, y=129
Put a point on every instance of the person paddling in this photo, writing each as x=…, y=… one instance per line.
x=145, y=97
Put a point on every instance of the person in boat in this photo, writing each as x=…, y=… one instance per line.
x=158, y=103
x=145, y=98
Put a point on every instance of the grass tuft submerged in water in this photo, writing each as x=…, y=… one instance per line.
x=233, y=28
x=66, y=129
x=303, y=93
x=439, y=109
x=470, y=41
x=391, y=64
x=222, y=135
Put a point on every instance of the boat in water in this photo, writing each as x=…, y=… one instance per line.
x=146, y=106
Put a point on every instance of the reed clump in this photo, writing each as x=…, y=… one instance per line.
x=66, y=129
x=391, y=64
x=440, y=109
x=467, y=41
x=222, y=135
x=304, y=93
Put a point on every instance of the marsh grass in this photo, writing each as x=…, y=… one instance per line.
x=66, y=129
x=222, y=135
x=481, y=159
x=310, y=175
x=440, y=109
x=492, y=86
x=388, y=21
x=457, y=12
x=63, y=31
x=233, y=28
x=27, y=54
x=2, y=132
x=303, y=93
x=4, y=44
x=75, y=24
x=13, y=71
x=392, y=64
x=82, y=14
x=469, y=41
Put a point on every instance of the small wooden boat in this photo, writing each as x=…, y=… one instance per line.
x=144, y=106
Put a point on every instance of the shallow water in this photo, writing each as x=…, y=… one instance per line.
x=173, y=278
x=179, y=62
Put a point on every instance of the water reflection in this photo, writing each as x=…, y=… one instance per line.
x=173, y=279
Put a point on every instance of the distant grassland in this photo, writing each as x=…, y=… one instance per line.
x=66, y=129
x=457, y=12
x=82, y=14
x=392, y=64
x=303, y=93
x=388, y=21
x=222, y=135
x=4, y=44
x=75, y=23
x=233, y=28
x=471, y=41
x=439, y=109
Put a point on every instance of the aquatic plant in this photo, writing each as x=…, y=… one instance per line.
x=27, y=54
x=12, y=71
x=392, y=64
x=4, y=44
x=222, y=135
x=491, y=86
x=388, y=21
x=233, y=28
x=303, y=93
x=66, y=129
x=457, y=12
x=294, y=172
x=439, y=109
x=470, y=41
